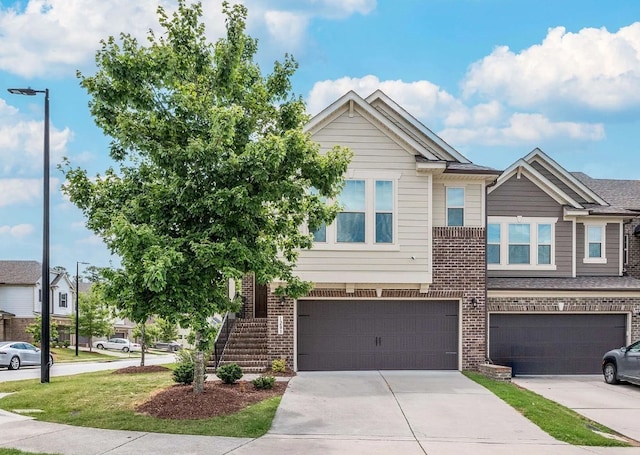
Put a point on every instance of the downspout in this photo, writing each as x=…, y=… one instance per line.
x=486, y=275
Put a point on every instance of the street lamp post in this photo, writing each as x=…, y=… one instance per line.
x=45, y=336
x=77, y=306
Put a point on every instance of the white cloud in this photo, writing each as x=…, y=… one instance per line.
x=91, y=240
x=593, y=69
x=21, y=143
x=285, y=26
x=19, y=191
x=17, y=231
x=420, y=98
x=523, y=128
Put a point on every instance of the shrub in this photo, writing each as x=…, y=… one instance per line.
x=66, y=344
x=264, y=382
x=229, y=373
x=279, y=365
x=183, y=374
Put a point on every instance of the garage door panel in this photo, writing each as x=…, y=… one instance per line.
x=554, y=343
x=366, y=335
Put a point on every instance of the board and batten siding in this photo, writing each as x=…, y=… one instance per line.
x=612, y=253
x=375, y=151
x=521, y=197
x=473, y=213
x=18, y=300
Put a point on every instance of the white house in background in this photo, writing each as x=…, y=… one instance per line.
x=21, y=299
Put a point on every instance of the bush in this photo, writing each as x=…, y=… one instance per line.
x=264, y=382
x=279, y=365
x=65, y=344
x=183, y=374
x=229, y=373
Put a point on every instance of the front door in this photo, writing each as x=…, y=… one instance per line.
x=260, y=301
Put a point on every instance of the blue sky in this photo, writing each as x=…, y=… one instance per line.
x=495, y=78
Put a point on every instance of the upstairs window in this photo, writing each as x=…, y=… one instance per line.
x=455, y=206
x=521, y=243
x=369, y=214
x=63, y=299
x=594, y=248
x=351, y=221
x=493, y=243
x=625, y=250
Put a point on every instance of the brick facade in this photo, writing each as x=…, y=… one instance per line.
x=248, y=295
x=628, y=305
x=632, y=266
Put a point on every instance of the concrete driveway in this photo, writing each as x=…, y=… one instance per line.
x=615, y=406
x=397, y=412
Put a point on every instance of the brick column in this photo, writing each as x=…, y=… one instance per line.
x=248, y=295
x=280, y=345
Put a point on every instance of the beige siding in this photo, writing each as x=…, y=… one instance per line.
x=376, y=152
x=473, y=214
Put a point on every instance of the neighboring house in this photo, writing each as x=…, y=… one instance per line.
x=122, y=327
x=400, y=275
x=21, y=299
x=559, y=246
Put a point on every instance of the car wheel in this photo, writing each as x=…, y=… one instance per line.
x=610, y=373
x=14, y=363
x=100, y=346
x=125, y=349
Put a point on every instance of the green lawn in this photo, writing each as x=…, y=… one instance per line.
x=4, y=451
x=558, y=421
x=65, y=355
x=105, y=400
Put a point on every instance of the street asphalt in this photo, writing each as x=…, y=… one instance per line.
x=374, y=412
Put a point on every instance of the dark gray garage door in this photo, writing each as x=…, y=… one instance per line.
x=377, y=335
x=554, y=344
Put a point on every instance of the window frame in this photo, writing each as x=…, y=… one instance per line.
x=370, y=178
x=448, y=206
x=63, y=300
x=602, y=259
x=534, y=223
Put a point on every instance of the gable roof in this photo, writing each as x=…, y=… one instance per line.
x=568, y=188
x=20, y=272
x=401, y=127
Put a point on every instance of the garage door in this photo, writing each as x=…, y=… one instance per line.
x=554, y=344
x=342, y=335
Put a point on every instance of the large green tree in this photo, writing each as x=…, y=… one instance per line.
x=213, y=172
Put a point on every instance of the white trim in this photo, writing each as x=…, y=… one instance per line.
x=603, y=244
x=621, y=253
x=429, y=202
x=574, y=246
x=533, y=222
x=596, y=293
x=358, y=277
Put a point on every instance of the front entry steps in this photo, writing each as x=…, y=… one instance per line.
x=247, y=346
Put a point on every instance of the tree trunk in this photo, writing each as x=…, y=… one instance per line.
x=142, y=345
x=198, y=368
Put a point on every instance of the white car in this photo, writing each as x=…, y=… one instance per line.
x=120, y=344
x=14, y=354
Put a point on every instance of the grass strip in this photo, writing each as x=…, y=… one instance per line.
x=105, y=400
x=556, y=420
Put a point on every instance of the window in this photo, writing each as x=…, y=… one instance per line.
x=39, y=295
x=493, y=243
x=384, y=211
x=544, y=244
x=455, y=206
x=368, y=218
x=351, y=221
x=594, y=248
x=521, y=243
x=320, y=234
x=63, y=299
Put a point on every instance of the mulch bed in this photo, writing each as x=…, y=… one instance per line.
x=179, y=401
x=144, y=369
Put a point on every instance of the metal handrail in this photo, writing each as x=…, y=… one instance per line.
x=222, y=338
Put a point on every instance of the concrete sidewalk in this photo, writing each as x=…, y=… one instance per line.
x=391, y=412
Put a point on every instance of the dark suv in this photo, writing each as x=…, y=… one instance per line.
x=622, y=364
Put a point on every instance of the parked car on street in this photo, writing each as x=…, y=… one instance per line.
x=120, y=344
x=172, y=346
x=622, y=364
x=14, y=354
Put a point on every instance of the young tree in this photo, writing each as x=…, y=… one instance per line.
x=94, y=315
x=167, y=330
x=214, y=172
x=35, y=329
